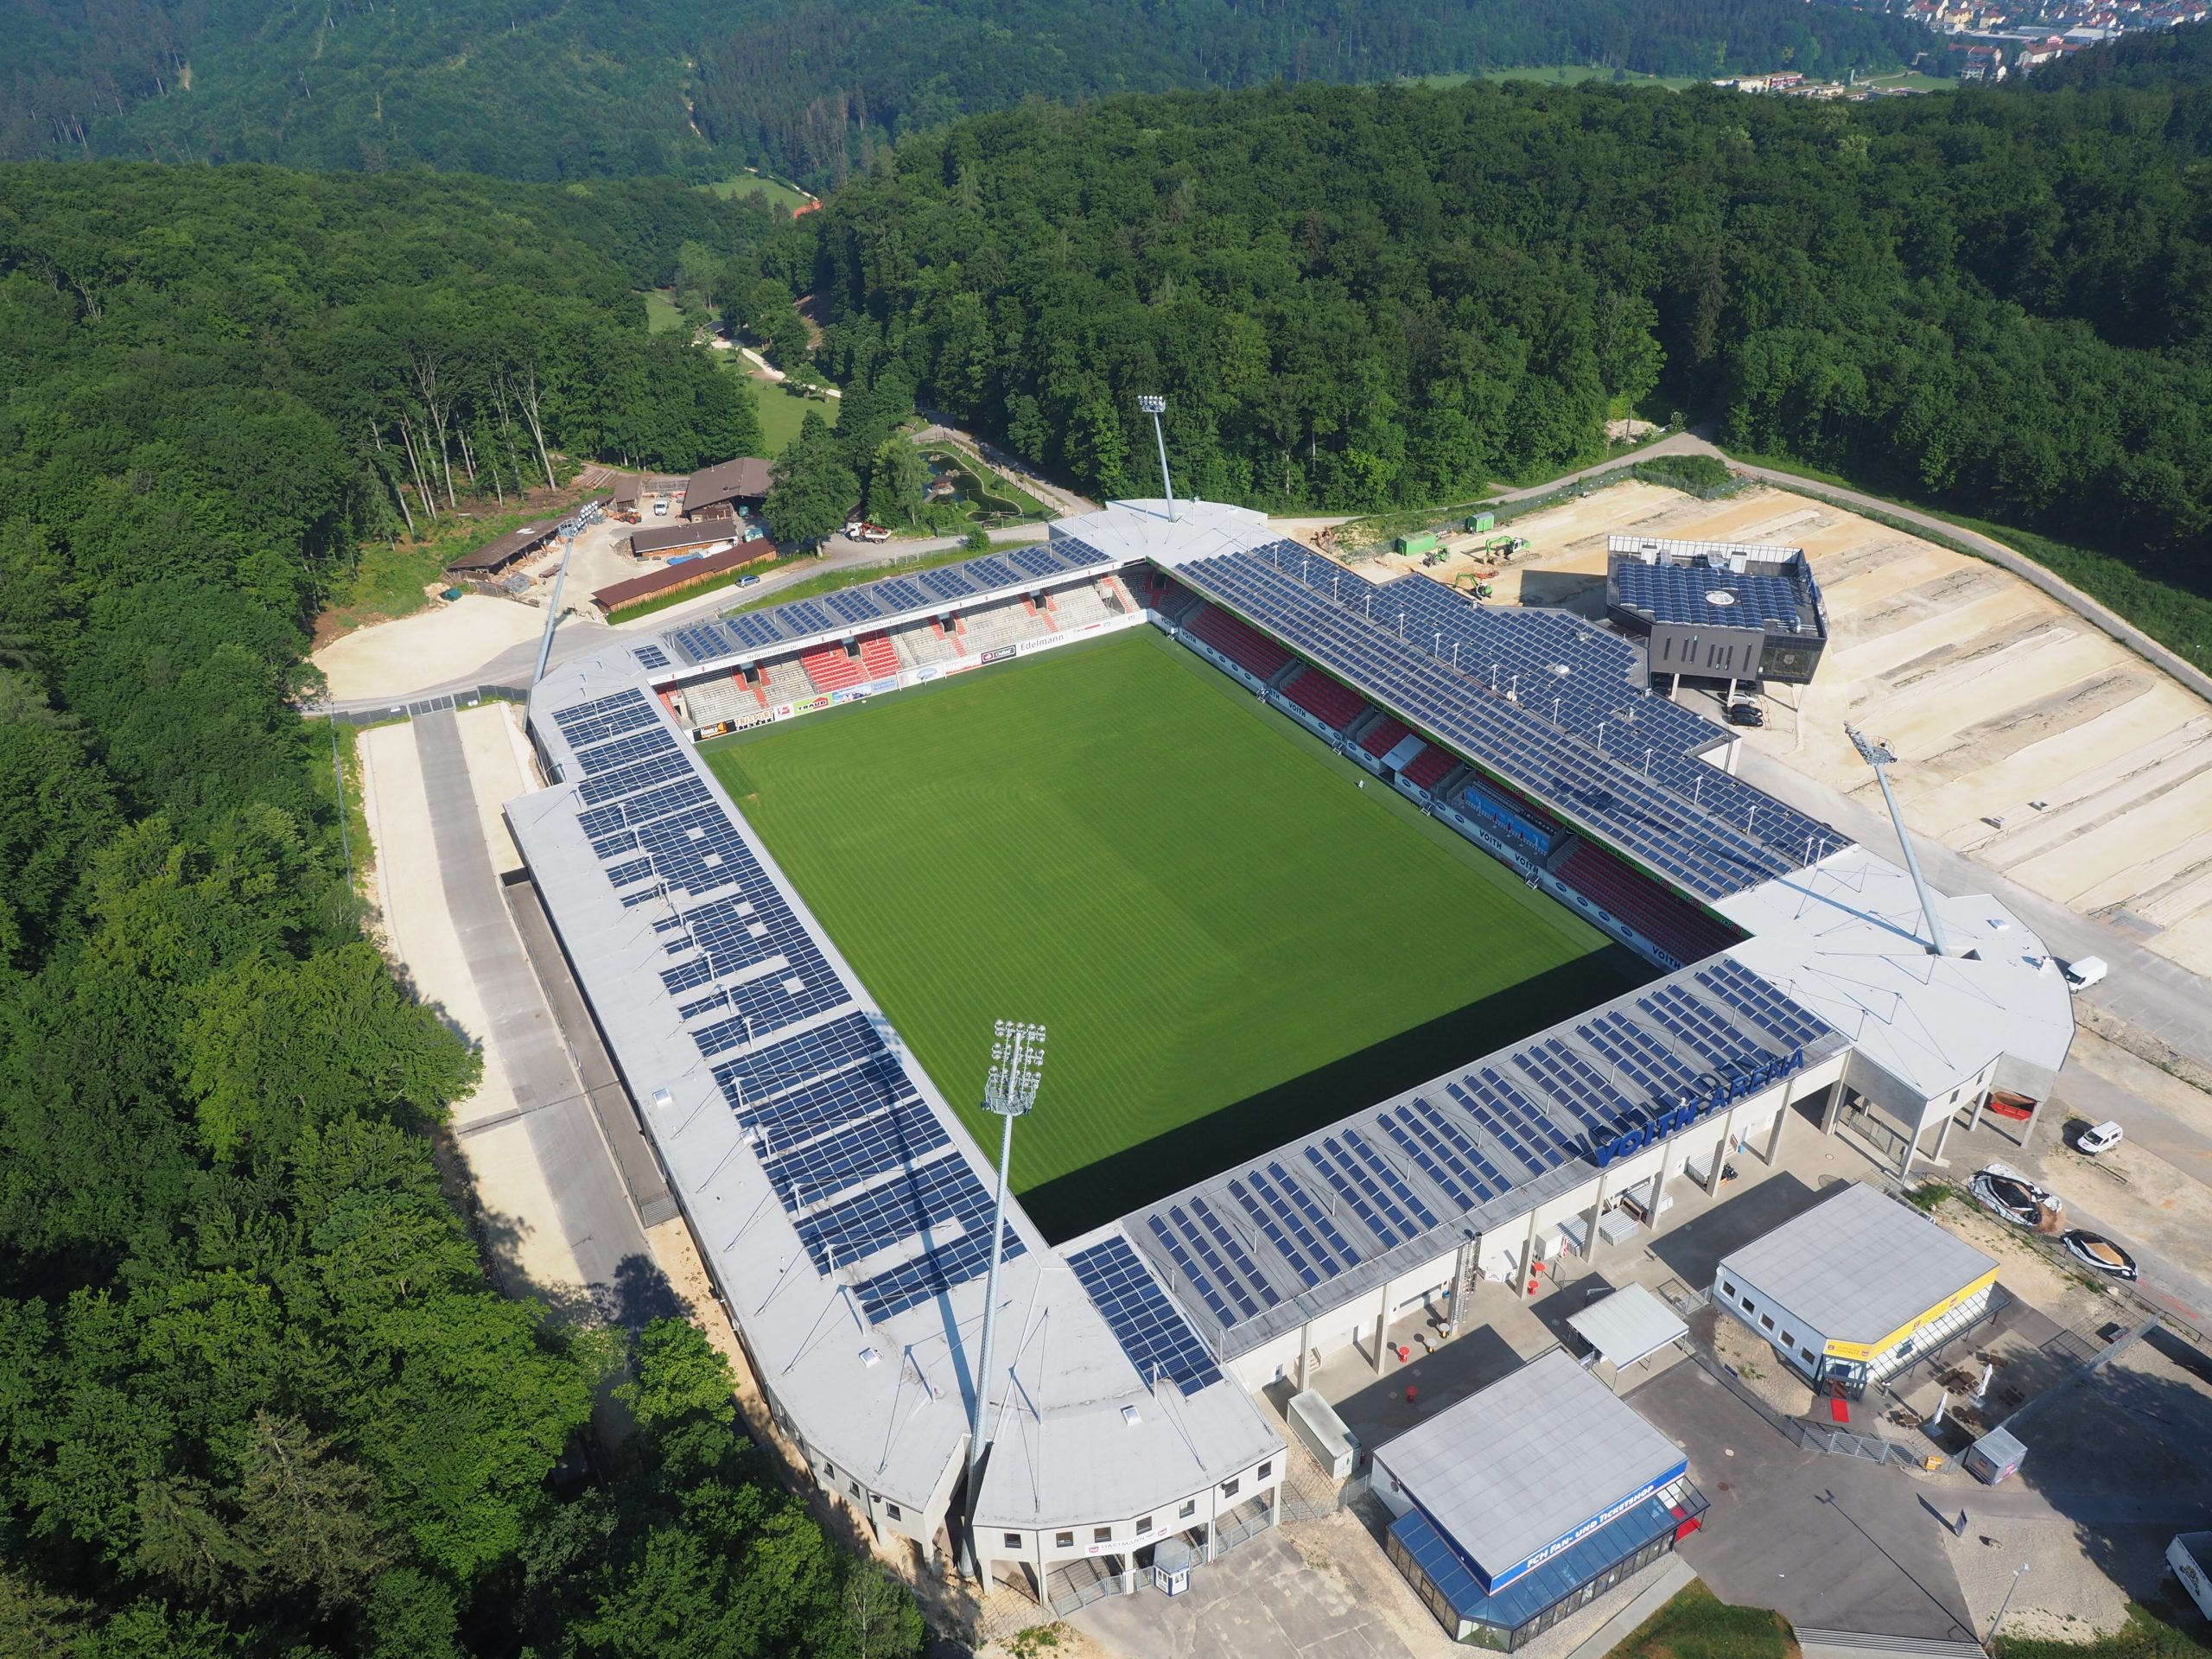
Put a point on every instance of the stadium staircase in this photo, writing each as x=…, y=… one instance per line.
x=1240, y=643
x=1682, y=929
x=1334, y=705
x=1384, y=735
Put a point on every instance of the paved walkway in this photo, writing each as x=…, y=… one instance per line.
x=592, y=1209
x=1673, y=1575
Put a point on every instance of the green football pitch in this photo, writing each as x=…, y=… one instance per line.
x=1231, y=942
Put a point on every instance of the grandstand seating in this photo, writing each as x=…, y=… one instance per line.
x=877, y=656
x=1683, y=931
x=1333, y=705
x=785, y=681
x=923, y=643
x=831, y=668
x=1239, y=642
x=1428, y=768
x=1080, y=606
x=1383, y=736
x=718, y=699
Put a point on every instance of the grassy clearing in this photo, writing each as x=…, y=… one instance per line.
x=782, y=411
x=1698, y=1624
x=779, y=195
x=1230, y=942
x=851, y=575
x=2151, y=1632
x=663, y=314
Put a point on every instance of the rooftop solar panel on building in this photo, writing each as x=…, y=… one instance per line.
x=622, y=751
x=900, y=594
x=595, y=721
x=767, y=1070
x=651, y=656
x=1153, y=1333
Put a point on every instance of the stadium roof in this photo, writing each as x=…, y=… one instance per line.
x=1526, y=1463
x=775, y=630
x=1859, y=1265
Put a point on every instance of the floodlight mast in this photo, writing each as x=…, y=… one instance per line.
x=1010, y=1091
x=553, y=610
x=1880, y=756
x=1157, y=407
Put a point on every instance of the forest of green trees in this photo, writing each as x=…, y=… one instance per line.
x=563, y=89
x=258, y=1396
x=1359, y=296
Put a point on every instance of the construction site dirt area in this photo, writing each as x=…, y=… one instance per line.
x=2025, y=737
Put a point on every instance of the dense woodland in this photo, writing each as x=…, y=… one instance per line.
x=560, y=89
x=1359, y=296
x=256, y=1395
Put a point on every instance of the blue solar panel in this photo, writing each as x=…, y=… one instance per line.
x=855, y=604
x=1036, y=559
x=804, y=616
x=651, y=656
x=859, y=1152
x=933, y=1273
x=622, y=751
x=1760, y=1002
x=900, y=594
x=1683, y=593
x=756, y=629
x=595, y=722
x=1157, y=1338
x=768, y=1071
x=628, y=780
x=992, y=572
x=840, y=1098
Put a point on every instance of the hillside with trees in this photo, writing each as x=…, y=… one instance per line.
x=565, y=89
x=1356, y=297
x=258, y=1396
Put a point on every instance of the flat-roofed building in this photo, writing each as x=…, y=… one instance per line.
x=1856, y=1288
x=1528, y=1499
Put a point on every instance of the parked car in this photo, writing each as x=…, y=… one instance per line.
x=753, y=535
x=747, y=581
x=2096, y=1250
x=2098, y=1137
x=1744, y=712
x=660, y=508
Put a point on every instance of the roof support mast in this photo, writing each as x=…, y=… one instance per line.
x=1010, y=1089
x=1878, y=755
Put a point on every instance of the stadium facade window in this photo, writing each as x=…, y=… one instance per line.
x=1228, y=1487
x=1190, y=1508
x=1013, y=1540
x=1265, y=1470
x=893, y=1511
x=1767, y=1320
x=1102, y=1535
x=1144, y=1526
x=1063, y=1541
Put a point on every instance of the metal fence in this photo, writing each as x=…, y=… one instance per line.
x=415, y=710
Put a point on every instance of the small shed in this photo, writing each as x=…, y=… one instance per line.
x=494, y=558
x=1995, y=1458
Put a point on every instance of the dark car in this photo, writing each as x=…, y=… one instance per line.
x=1744, y=712
x=2096, y=1250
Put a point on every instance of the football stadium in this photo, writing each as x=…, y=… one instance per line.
x=1387, y=942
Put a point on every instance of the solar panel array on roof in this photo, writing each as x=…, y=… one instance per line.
x=1673, y=592
x=1563, y=725
x=1242, y=1243
x=1151, y=1331
x=874, y=604
x=651, y=656
x=871, y=1178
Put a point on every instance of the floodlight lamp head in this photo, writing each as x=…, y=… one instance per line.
x=1872, y=751
x=1152, y=405
x=1017, y=1068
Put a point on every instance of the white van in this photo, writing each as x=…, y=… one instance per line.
x=2085, y=971
x=2100, y=1138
